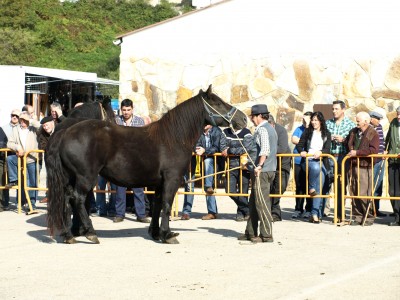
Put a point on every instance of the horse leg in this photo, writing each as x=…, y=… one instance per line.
x=170, y=187
x=86, y=223
x=67, y=234
x=154, y=229
x=77, y=226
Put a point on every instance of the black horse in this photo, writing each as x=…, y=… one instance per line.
x=88, y=110
x=155, y=156
x=93, y=110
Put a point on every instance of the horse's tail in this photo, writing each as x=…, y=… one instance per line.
x=56, y=182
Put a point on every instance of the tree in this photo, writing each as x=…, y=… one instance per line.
x=74, y=35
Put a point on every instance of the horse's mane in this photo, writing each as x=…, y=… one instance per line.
x=181, y=125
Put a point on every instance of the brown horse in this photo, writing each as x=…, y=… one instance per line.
x=155, y=156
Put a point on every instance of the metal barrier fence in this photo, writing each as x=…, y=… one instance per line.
x=199, y=175
x=358, y=195
x=199, y=172
x=17, y=187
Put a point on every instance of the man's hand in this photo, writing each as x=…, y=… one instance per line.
x=200, y=151
x=257, y=171
x=58, y=112
x=20, y=152
x=317, y=154
x=225, y=152
x=352, y=153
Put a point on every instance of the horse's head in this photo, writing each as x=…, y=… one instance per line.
x=220, y=113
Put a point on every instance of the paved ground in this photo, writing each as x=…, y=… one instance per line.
x=306, y=261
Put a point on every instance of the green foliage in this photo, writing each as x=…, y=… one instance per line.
x=74, y=35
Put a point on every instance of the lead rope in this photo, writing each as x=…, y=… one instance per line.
x=259, y=191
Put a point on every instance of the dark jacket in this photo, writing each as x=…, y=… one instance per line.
x=305, y=141
x=217, y=144
x=283, y=147
x=234, y=142
x=43, y=138
x=369, y=144
x=393, y=140
x=217, y=141
x=3, y=142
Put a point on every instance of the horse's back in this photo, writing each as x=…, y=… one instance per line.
x=128, y=156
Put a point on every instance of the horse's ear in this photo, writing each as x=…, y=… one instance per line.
x=209, y=90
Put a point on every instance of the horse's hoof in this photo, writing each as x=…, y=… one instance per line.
x=93, y=238
x=70, y=241
x=171, y=238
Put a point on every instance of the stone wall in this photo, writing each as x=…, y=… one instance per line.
x=288, y=85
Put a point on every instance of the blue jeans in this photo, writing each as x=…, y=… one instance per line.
x=138, y=197
x=208, y=182
x=208, y=169
x=12, y=164
x=316, y=180
x=101, y=206
x=188, y=199
x=4, y=194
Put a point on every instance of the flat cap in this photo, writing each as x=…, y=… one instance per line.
x=376, y=115
x=259, y=109
x=46, y=119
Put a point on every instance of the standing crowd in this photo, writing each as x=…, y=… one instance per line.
x=263, y=172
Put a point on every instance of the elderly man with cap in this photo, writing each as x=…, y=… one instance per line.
x=393, y=147
x=23, y=138
x=379, y=164
x=363, y=140
x=262, y=166
x=47, y=129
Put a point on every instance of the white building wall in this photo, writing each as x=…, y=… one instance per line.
x=12, y=87
x=268, y=51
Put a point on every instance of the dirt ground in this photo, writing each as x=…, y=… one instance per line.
x=306, y=261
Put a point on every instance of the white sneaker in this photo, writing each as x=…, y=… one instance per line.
x=306, y=215
x=296, y=214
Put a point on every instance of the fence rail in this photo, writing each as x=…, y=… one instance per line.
x=199, y=176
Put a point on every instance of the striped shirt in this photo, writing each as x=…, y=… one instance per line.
x=135, y=122
x=379, y=130
x=342, y=129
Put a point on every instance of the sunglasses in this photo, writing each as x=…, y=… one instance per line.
x=14, y=116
